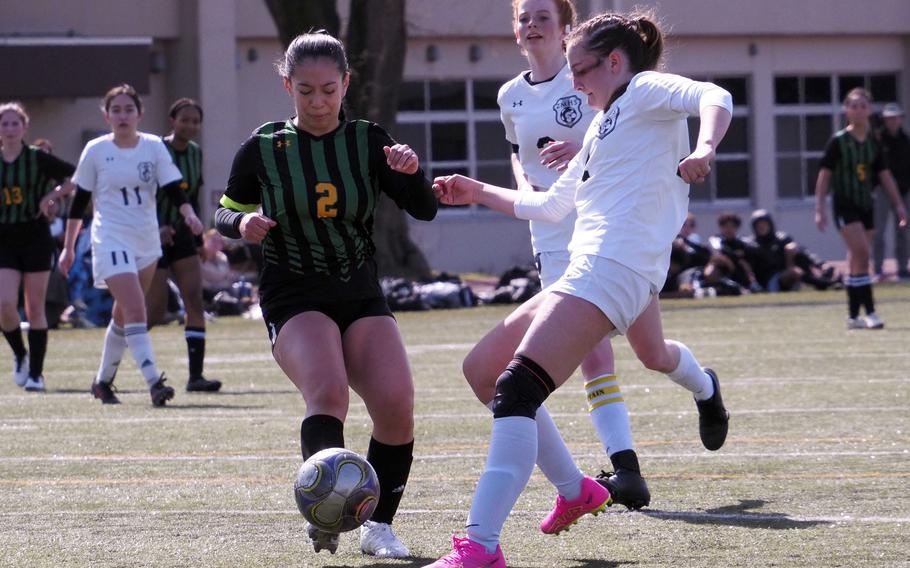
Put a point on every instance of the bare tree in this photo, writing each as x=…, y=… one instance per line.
x=376, y=42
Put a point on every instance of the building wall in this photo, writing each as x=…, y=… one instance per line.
x=222, y=52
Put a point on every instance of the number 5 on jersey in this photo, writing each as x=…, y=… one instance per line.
x=326, y=205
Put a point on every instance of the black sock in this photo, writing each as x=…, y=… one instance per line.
x=866, y=298
x=195, y=350
x=393, y=466
x=37, y=347
x=14, y=338
x=853, y=298
x=319, y=432
x=626, y=459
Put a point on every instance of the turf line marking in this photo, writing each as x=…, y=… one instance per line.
x=668, y=515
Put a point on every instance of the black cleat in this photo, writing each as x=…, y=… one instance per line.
x=104, y=392
x=322, y=540
x=626, y=487
x=160, y=392
x=713, y=418
x=201, y=384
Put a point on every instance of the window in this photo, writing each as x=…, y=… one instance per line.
x=731, y=178
x=454, y=127
x=807, y=112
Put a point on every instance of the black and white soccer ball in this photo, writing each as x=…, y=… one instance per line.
x=336, y=490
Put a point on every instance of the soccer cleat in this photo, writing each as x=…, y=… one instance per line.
x=626, y=487
x=856, y=323
x=20, y=371
x=104, y=392
x=469, y=554
x=322, y=540
x=201, y=384
x=160, y=392
x=872, y=321
x=713, y=418
x=34, y=384
x=377, y=539
x=594, y=498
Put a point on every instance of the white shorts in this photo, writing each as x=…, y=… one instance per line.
x=107, y=263
x=553, y=265
x=619, y=292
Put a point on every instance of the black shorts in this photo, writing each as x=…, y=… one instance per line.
x=342, y=312
x=846, y=213
x=185, y=245
x=283, y=295
x=27, y=247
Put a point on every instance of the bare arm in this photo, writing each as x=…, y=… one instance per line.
x=821, y=194
x=714, y=121
x=887, y=181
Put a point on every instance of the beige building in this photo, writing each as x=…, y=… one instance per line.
x=787, y=63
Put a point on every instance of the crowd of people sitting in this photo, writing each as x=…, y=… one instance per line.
x=728, y=264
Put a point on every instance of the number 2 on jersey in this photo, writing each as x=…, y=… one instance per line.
x=126, y=196
x=328, y=199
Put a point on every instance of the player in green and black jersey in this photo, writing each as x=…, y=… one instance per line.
x=28, y=177
x=852, y=166
x=179, y=244
x=318, y=179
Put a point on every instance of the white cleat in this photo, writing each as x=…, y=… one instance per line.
x=35, y=384
x=20, y=371
x=377, y=539
x=873, y=321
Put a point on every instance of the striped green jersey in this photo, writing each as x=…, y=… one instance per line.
x=322, y=192
x=25, y=180
x=854, y=168
x=189, y=162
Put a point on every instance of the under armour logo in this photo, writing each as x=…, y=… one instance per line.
x=517, y=103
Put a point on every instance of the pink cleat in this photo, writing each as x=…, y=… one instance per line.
x=594, y=499
x=468, y=554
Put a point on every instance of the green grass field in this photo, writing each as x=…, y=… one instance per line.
x=815, y=472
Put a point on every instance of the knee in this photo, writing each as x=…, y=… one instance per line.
x=328, y=397
x=521, y=389
x=8, y=306
x=478, y=377
x=659, y=359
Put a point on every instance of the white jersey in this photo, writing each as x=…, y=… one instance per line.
x=123, y=182
x=533, y=115
x=623, y=184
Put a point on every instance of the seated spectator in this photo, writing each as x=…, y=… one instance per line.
x=688, y=259
x=217, y=274
x=733, y=259
x=781, y=264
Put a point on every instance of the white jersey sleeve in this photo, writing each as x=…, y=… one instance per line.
x=672, y=96
x=168, y=172
x=557, y=202
x=86, y=175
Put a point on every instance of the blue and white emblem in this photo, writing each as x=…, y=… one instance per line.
x=568, y=110
x=608, y=123
x=146, y=171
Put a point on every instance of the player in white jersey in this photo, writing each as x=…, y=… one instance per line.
x=630, y=205
x=120, y=173
x=546, y=111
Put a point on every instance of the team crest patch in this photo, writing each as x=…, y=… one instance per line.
x=608, y=123
x=568, y=111
x=146, y=171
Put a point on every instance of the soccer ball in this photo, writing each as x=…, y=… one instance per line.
x=336, y=490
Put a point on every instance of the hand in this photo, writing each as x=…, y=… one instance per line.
x=821, y=220
x=166, y=234
x=697, y=165
x=193, y=222
x=49, y=206
x=901, y=216
x=456, y=189
x=557, y=155
x=401, y=158
x=254, y=226
x=66, y=261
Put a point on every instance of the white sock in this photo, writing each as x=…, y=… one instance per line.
x=140, y=344
x=609, y=414
x=112, y=353
x=690, y=375
x=554, y=458
x=510, y=461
